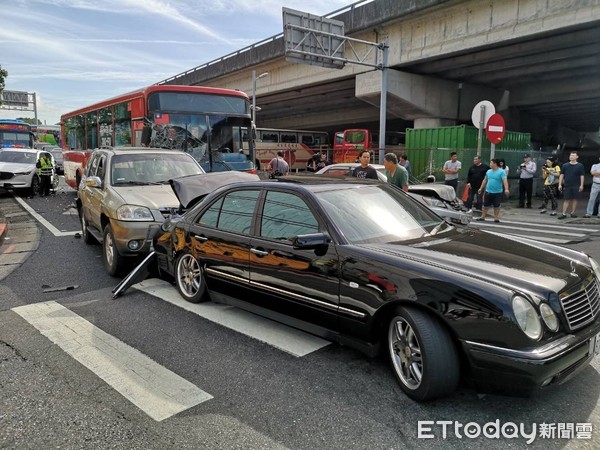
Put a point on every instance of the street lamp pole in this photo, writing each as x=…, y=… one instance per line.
x=254, y=78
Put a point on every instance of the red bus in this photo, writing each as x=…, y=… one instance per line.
x=210, y=123
x=348, y=143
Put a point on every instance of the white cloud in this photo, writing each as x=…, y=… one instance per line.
x=76, y=52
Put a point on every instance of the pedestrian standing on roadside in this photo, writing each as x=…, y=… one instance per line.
x=278, y=166
x=396, y=174
x=570, y=183
x=451, y=169
x=494, y=185
x=526, y=173
x=503, y=166
x=404, y=162
x=322, y=162
x=551, y=174
x=365, y=170
x=475, y=177
x=595, y=171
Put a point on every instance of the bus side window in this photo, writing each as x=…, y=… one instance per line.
x=307, y=140
x=289, y=138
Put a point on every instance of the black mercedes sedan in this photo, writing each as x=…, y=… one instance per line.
x=365, y=265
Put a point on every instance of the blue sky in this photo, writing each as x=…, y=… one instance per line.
x=72, y=53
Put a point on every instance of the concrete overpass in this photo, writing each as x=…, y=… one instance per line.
x=537, y=61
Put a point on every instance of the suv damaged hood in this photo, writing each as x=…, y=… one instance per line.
x=189, y=189
x=151, y=196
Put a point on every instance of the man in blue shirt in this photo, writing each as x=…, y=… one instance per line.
x=493, y=184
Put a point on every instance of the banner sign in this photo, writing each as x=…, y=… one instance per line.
x=15, y=98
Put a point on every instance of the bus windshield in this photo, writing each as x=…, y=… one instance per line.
x=208, y=126
x=215, y=141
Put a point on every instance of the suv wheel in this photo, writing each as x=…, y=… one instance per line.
x=85, y=234
x=113, y=262
x=35, y=186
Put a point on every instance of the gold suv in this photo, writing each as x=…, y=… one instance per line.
x=125, y=194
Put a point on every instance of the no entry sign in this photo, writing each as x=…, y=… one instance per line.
x=495, y=128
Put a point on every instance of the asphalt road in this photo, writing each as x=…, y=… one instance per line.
x=260, y=395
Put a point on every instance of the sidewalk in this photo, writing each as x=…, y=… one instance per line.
x=3, y=222
x=19, y=235
x=510, y=210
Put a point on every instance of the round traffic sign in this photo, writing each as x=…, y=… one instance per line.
x=476, y=114
x=495, y=128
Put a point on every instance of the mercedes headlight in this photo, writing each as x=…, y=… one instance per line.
x=527, y=317
x=134, y=213
x=595, y=268
x=548, y=316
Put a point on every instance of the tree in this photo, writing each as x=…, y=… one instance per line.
x=3, y=75
x=30, y=120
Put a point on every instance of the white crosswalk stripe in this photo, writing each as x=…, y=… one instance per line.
x=154, y=389
x=290, y=340
x=544, y=232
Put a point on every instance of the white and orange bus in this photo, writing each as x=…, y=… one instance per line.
x=298, y=146
x=210, y=123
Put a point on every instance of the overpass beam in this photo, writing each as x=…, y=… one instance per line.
x=427, y=100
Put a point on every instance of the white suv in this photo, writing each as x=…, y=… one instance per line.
x=18, y=171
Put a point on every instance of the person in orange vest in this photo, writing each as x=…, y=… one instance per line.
x=45, y=169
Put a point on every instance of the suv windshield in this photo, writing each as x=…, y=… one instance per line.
x=151, y=168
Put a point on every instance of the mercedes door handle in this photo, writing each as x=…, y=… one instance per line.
x=200, y=238
x=258, y=252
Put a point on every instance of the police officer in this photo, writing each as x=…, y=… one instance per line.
x=45, y=169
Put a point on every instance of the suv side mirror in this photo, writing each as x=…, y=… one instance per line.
x=93, y=182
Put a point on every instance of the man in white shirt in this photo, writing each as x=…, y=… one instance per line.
x=595, y=171
x=451, y=169
x=526, y=173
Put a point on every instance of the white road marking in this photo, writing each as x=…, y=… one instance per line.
x=290, y=340
x=55, y=231
x=154, y=389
